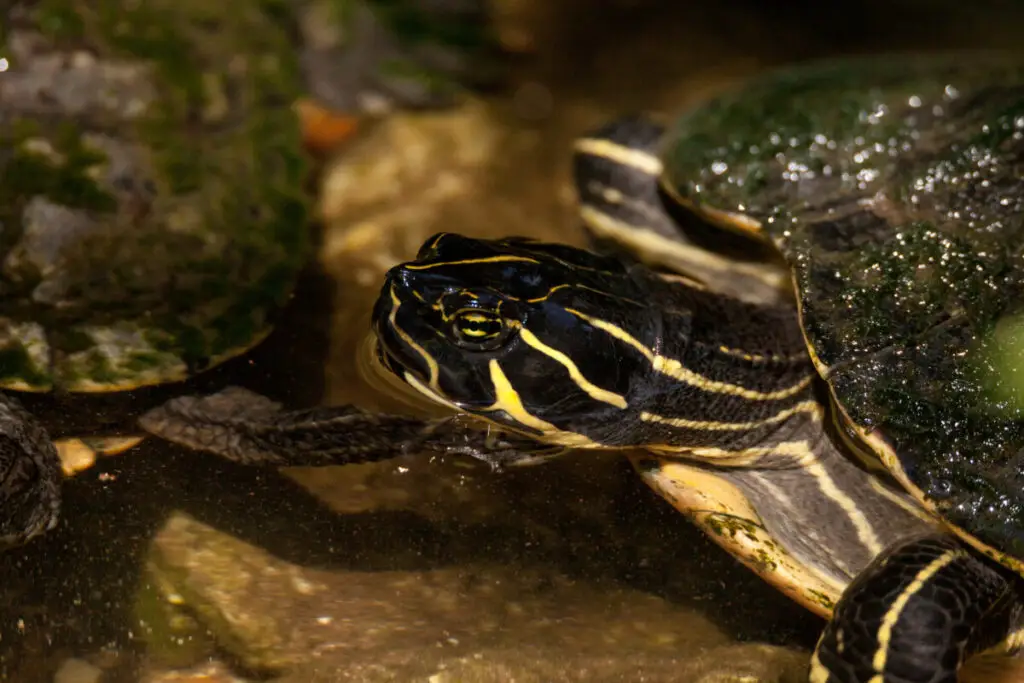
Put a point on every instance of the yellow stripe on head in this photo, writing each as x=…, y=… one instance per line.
x=469, y=261
x=432, y=368
x=506, y=399
x=591, y=389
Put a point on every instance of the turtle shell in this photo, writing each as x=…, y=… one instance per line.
x=894, y=186
x=151, y=205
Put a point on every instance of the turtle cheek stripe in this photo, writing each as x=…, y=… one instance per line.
x=595, y=392
x=392, y=329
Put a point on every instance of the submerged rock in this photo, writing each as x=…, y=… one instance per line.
x=470, y=623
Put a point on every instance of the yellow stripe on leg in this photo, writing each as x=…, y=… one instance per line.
x=900, y=603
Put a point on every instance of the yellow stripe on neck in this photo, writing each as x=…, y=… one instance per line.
x=676, y=370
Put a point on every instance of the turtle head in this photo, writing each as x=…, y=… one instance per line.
x=525, y=334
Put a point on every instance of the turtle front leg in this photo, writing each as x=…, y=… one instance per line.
x=248, y=428
x=30, y=476
x=916, y=614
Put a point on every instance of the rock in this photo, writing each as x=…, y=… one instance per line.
x=150, y=189
x=443, y=624
x=748, y=663
x=77, y=671
x=374, y=56
x=416, y=172
x=212, y=672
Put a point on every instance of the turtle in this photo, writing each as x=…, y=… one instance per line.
x=153, y=216
x=798, y=315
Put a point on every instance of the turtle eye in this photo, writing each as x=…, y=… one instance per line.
x=479, y=330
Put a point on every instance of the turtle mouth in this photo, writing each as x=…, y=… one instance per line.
x=381, y=369
x=401, y=320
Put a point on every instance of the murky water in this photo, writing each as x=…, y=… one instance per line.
x=167, y=560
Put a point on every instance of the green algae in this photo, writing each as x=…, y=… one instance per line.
x=196, y=272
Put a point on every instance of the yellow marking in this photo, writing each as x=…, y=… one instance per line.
x=564, y=285
x=435, y=396
x=371, y=370
x=657, y=249
x=883, y=449
x=1007, y=646
x=798, y=449
x=904, y=501
x=893, y=615
x=683, y=423
x=865, y=532
x=690, y=282
x=467, y=318
x=469, y=261
x=612, y=195
x=818, y=674
x=475, y=317
x=437, y=241
x=595, y=392
x=810, y=463
x=722, y=510
x=507, y=400
x=673, y=368
x=720, y=457
x=410, y=342
x=737, y=222
x=642, y=161
x=584, y=288
x=761, y=358
x=550, y=292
